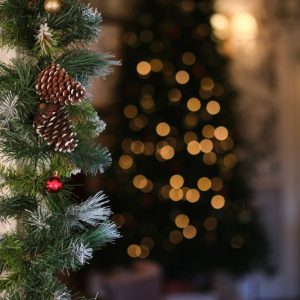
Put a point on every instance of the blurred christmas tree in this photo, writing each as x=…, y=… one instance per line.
x=180, y=197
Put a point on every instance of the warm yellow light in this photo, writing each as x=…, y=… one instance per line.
x=216, y=184
x=137, y=147
x=163, y=129
x=149, y=187
x=189, y=232
x=204, y=184
x=218, y=202
x=147, y=103
x=213, y=107
x=148, y=241
x=207, y=84
x=192, y=195
x=165, y=191
x=156, y=65
x=193, y=147
x=175, y=95
x=221, y=133
x=167, y=152
x=130, y=111
x=176, y=194
x=188, y=58
x=143, y=68
x=182, y=77
x=206, y=145
x=190, y=136
x=176, y=181
x=145, y=252
x=208, y=131
x=175, y=237
x=230, y=160
x=191, y=119
x=210, y=223
x=140, y=181
x=134, y=251
x=149, y=148
x=182, y=221
x=138, y=123
x=221, y=26
x=125, y=162
x=193, y=104
x=209, y=158
x=244, y=26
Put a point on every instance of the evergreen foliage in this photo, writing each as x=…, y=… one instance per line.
x=53, y=234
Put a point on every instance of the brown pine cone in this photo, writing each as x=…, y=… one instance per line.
x=53, y=125
x=54, y=85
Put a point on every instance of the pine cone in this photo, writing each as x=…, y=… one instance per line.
x=54, y=85
x=53, y=125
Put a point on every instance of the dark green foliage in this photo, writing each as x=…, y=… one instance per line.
x=46, y=242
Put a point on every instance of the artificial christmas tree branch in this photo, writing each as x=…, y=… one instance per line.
x=47, y=132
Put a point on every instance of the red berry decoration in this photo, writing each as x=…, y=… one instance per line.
x=54, y=185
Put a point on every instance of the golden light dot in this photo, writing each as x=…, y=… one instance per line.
x=156, y=65
x=192, y=195
x=208, y=131
x=149, y=148
x=176, y=181
x=206, y=145
x=216, y=184
x=147, y=103
x=125, y=162
x=210, y=223
x=163, y=129
x=138, y=123
x=193, y=104
x=182, y=221
x=209, y=158
x=130, y=111
x=218, y=202
x=145, y=252
x=191, y=120
x=165, y=191
x=148, y=241
x=221, y=133
x=188, y=58
x=126, y=145
x=237, y=242
x=134, y=250
x=193, y=148
x=176, y=194
x=137, y=147
x=140, y=181
x=204, y=184
x=168, y=69
x=230, y=160
x=190, y=136
x=167, y=152
x=205, y=94
x=175, y=237
x=189, y=232
x=119, y=220
x=175, y=95
x=221, y=26
x=207, y=84
x=213, y=107
x=182, y=77
x=143, y=68
x=149, y=187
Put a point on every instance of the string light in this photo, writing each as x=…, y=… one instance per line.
x=191, y=120
x=221, y=133
x=204, y=184
x=213, y=107
x=148, y=241
x=176, y=194
x=137, y=147
x=192, y=195
x=193, y=104
x=190, y=136
x=188, y=58
x=176, y=181
x=175, y=237
x=130, y=111
x=189, y=232
x=143, y=68
x=147, y=103
x=156, y=65
x=167, y=152
x=194, y=148
x=218, y=202
x=208, y=131
x=125, y=162
x=140, y=181
x=216, y=184
x=210, y=224
x=165, y=191
x=209, y=158
x=206, y=145
x=134, y=251
x=207, y=84
x=182, y=77
x=163, y=129
x=182, y=221
x=175, y=95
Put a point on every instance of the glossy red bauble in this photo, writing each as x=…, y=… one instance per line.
x=54, y=185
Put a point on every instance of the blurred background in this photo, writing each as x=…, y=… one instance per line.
x=203, y=125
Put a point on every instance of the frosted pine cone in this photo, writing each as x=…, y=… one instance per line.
x=53, y=125
x=54, y=85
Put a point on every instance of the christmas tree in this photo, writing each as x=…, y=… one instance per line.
x=48, y=131
x=180, y=196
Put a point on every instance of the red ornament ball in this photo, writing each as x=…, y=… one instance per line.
x=54, y=185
